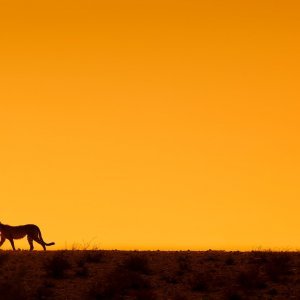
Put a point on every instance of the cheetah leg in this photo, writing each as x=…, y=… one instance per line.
x=40, y=242
x=30, y=241
x=12, y=243
x=2, y=240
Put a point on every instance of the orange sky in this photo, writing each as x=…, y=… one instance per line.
x=151, y=124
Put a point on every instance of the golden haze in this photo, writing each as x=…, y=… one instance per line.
x=151, y=124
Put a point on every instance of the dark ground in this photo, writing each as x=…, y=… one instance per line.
x=149, y=275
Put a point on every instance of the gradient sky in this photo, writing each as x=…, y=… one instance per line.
x=151, y=124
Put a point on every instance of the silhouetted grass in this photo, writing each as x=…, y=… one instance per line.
x=57, y=265
x=93, y=256
x=84, y=258
x=120, y=283
x=278, y=266
x=137, y=263
x=251, y=279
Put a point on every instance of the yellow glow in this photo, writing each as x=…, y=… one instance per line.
x=152, y=124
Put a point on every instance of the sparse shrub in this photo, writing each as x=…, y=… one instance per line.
x=81, y=262
x=200, y=282
x=212, y=256
x=93, y=256
x=4, y=256
x=137, y=263
x=44, y=291
x=57, y=265
x=143, y=295
x=170, y=278
x=118, y=284
x=85, y=257
x=100, y=292
x=184, y=264
x=177, y=296
x=128, y=280
x=233, y=295
x=251, y=279
x=273, y=292
x=229, y=261
x=82, y=271
x=259, y=257
x=278, y=266
x=12, y=289
x=220, y=280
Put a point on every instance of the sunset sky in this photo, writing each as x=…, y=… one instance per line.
x=151, y=124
